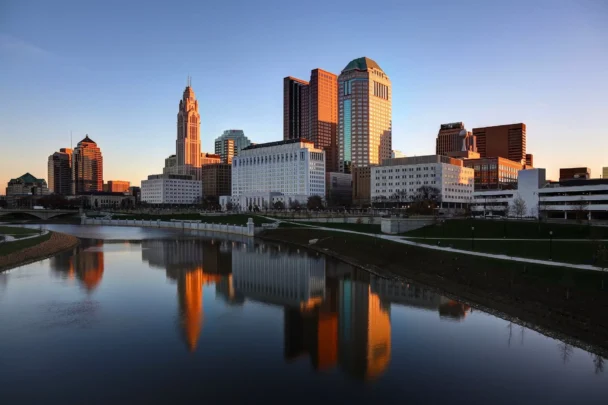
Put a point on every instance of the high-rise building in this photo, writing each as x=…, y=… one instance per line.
x=453, y=138
x=240, y=143
x=217, y=180
x=188, y=143
x=295, y=108
x=506, y=141
x=365, y=126
x=310, y=111
x=116, y=186
x=570, y=173
x=228, y=150
x=87, y=167
x=362, y=177
x=529, y=160
x=397, y=154
x=60, y=172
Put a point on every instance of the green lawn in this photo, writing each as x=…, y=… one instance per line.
x=236, y=219
x=583, y=252
x=10, y=247
x=461, y=228
x=17, y=232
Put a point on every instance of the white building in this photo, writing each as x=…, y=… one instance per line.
x=171, y=189
x=399, y=179
x=564, y=199
x=277, y=171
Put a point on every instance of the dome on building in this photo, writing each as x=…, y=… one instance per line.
x=363, y=63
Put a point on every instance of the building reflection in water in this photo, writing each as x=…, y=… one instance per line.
x=84, y=263
x=334, y=314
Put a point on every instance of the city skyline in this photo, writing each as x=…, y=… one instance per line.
x=549, y=78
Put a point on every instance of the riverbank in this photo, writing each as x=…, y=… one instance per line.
x=572, y=302
x=36, y=249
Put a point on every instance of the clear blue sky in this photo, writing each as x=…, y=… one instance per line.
x=116, y=70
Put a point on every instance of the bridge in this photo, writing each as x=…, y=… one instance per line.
x=41, y=214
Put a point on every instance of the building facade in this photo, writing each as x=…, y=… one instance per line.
x=116, y=186
x=572, y=173
x=338, y=189
x=19, y=191
x=240, y=142
x=495, y=173
x=217, y=180
x=60, y=172
x=173, y=189
x=506, y=141
x=454, y=138
x=365, y=117
x=291, y=168
x=398, y=180
x=108, y=199
x=87, y=167
x=397, y=154
x=362, y=193
x=310, y=111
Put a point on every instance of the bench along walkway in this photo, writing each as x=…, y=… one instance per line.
x=400, y=239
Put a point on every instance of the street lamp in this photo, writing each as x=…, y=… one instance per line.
x=472, y=238
x=550, y=245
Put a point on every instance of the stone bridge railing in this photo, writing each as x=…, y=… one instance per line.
x=247, y=230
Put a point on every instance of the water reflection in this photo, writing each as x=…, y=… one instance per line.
x=334, y=314
x=85, y=262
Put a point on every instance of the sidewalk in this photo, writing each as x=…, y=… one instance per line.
x=405, y=241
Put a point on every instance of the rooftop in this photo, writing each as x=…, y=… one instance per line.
x=87, y=140
x=363, y=63
x=277, y=143
x=27, y=178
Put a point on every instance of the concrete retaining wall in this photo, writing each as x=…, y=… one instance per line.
x=337, y=219
x=399, y=225
x=247, y=230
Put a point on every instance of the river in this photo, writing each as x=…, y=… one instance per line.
x=138, y=315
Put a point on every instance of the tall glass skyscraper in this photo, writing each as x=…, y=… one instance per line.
x=365, y=118
x=87, y=167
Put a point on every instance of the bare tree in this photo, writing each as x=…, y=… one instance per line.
x=519, y=207
x=598, y=363
x=580, y=209
x=565, y=351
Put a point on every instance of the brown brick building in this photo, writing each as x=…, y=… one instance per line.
x=571, y=173
x=310, y=111
x=217, y=179
x=494, y=173
x=453, y=138
x=362, y=181
x=506, y=141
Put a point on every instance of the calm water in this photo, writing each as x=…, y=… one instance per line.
x=154, y=316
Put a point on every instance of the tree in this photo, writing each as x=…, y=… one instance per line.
x=279, y=205
x=425, y=199
x=229, y=206
x=314, y=202
x=294, y=205
x=580, y=209
x=519, y=207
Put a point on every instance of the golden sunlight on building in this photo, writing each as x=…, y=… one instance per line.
x=89, y=267
x=327, y=340
x=378, y=337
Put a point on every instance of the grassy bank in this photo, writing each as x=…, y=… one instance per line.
x=570, y=301
x=461, y=228
x=367, y=228
x=577, y=252
x=17, y=232
x=12, y=247
x=236, y=219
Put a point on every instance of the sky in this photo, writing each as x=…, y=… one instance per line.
x=116, y=70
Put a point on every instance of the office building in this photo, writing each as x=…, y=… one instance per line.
x=605, y=172
x=362, y=185
x=397, y=154
x=294, y=169
x=338, y=189
x=60, y=172
x=173, y=189
x=365, y=126
x=505, y=141
x=109, y=199
x=217, y=180
x=188, y=143
x=529, y=161
x=295, y=108
x=494, y=173
x=210, y=159
x=398, y=180
x=116, y=186
x=240, y=142
x=453, y=138
x=228, y=151
x=571, y=173
x=310, y=111
x=22, y=190
x=87, y=167
x=136, y=193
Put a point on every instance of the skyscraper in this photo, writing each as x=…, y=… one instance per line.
x=240, y=143
x=310, y=111
x=188, y=144
x=87, y=167
x=365, y=123
x=506, y=141
x=453, y=139
x=60, y=172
